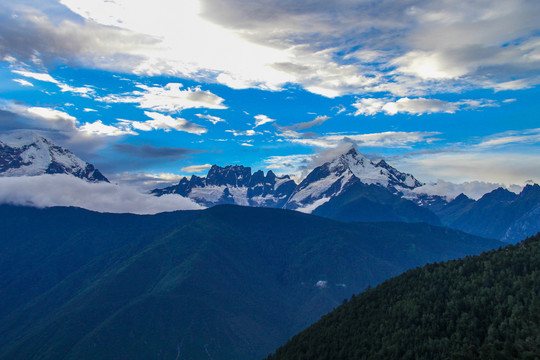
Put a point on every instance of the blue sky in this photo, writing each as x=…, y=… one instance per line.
x=151, y=92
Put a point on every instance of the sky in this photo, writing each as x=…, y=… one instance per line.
x=152, y=91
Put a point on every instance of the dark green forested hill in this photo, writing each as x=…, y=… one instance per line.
x=228, y=282
x=481, y=307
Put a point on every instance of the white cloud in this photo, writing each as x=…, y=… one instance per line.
x=262, y=119
x=249, y=132
x=246, y=144
x=89, y=110
x=37, y=76
x=51, y=114
x=196, y=168
x=213, y=119
x=417, y=106
x=169, y=98
x=368, y=106
x=528, y=136
x=99, y=128
x=518, y=84
x=82, y=91
x=339, y=109
x=66, y=190
x=165, y=122
x=308, y=124
x=23, y=82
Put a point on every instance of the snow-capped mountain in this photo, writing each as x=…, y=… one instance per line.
x=234, y=185
x=237, y=185
x=27, y=153
x=334, y=177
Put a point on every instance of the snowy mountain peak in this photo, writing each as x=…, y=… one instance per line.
x=346, y=169
x=19, y=139
x=26, y=153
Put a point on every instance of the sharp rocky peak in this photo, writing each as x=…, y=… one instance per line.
x=236, y=175
x=369, y=172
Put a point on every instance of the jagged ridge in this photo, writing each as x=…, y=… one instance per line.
x=234, y=184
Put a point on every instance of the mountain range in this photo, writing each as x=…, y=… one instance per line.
x=500, y=214
x=229, y=282
x=374, y=190
x=348, y=187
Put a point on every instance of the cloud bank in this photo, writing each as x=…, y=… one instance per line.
x=505, y=167
x=404, y=48
x=66, y=190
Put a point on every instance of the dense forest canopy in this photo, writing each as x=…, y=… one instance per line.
x=480, y=307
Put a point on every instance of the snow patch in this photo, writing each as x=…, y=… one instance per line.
x=239, y=194
x=210, y=193
x=364, y=169
x=308, y=209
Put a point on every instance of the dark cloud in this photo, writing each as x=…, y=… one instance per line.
x=331, y=19
x=30, y=33
x=10, y=121
x=148, y=151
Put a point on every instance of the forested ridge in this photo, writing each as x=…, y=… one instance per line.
x=480, y=307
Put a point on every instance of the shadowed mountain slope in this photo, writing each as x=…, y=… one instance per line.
x=228, y=282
